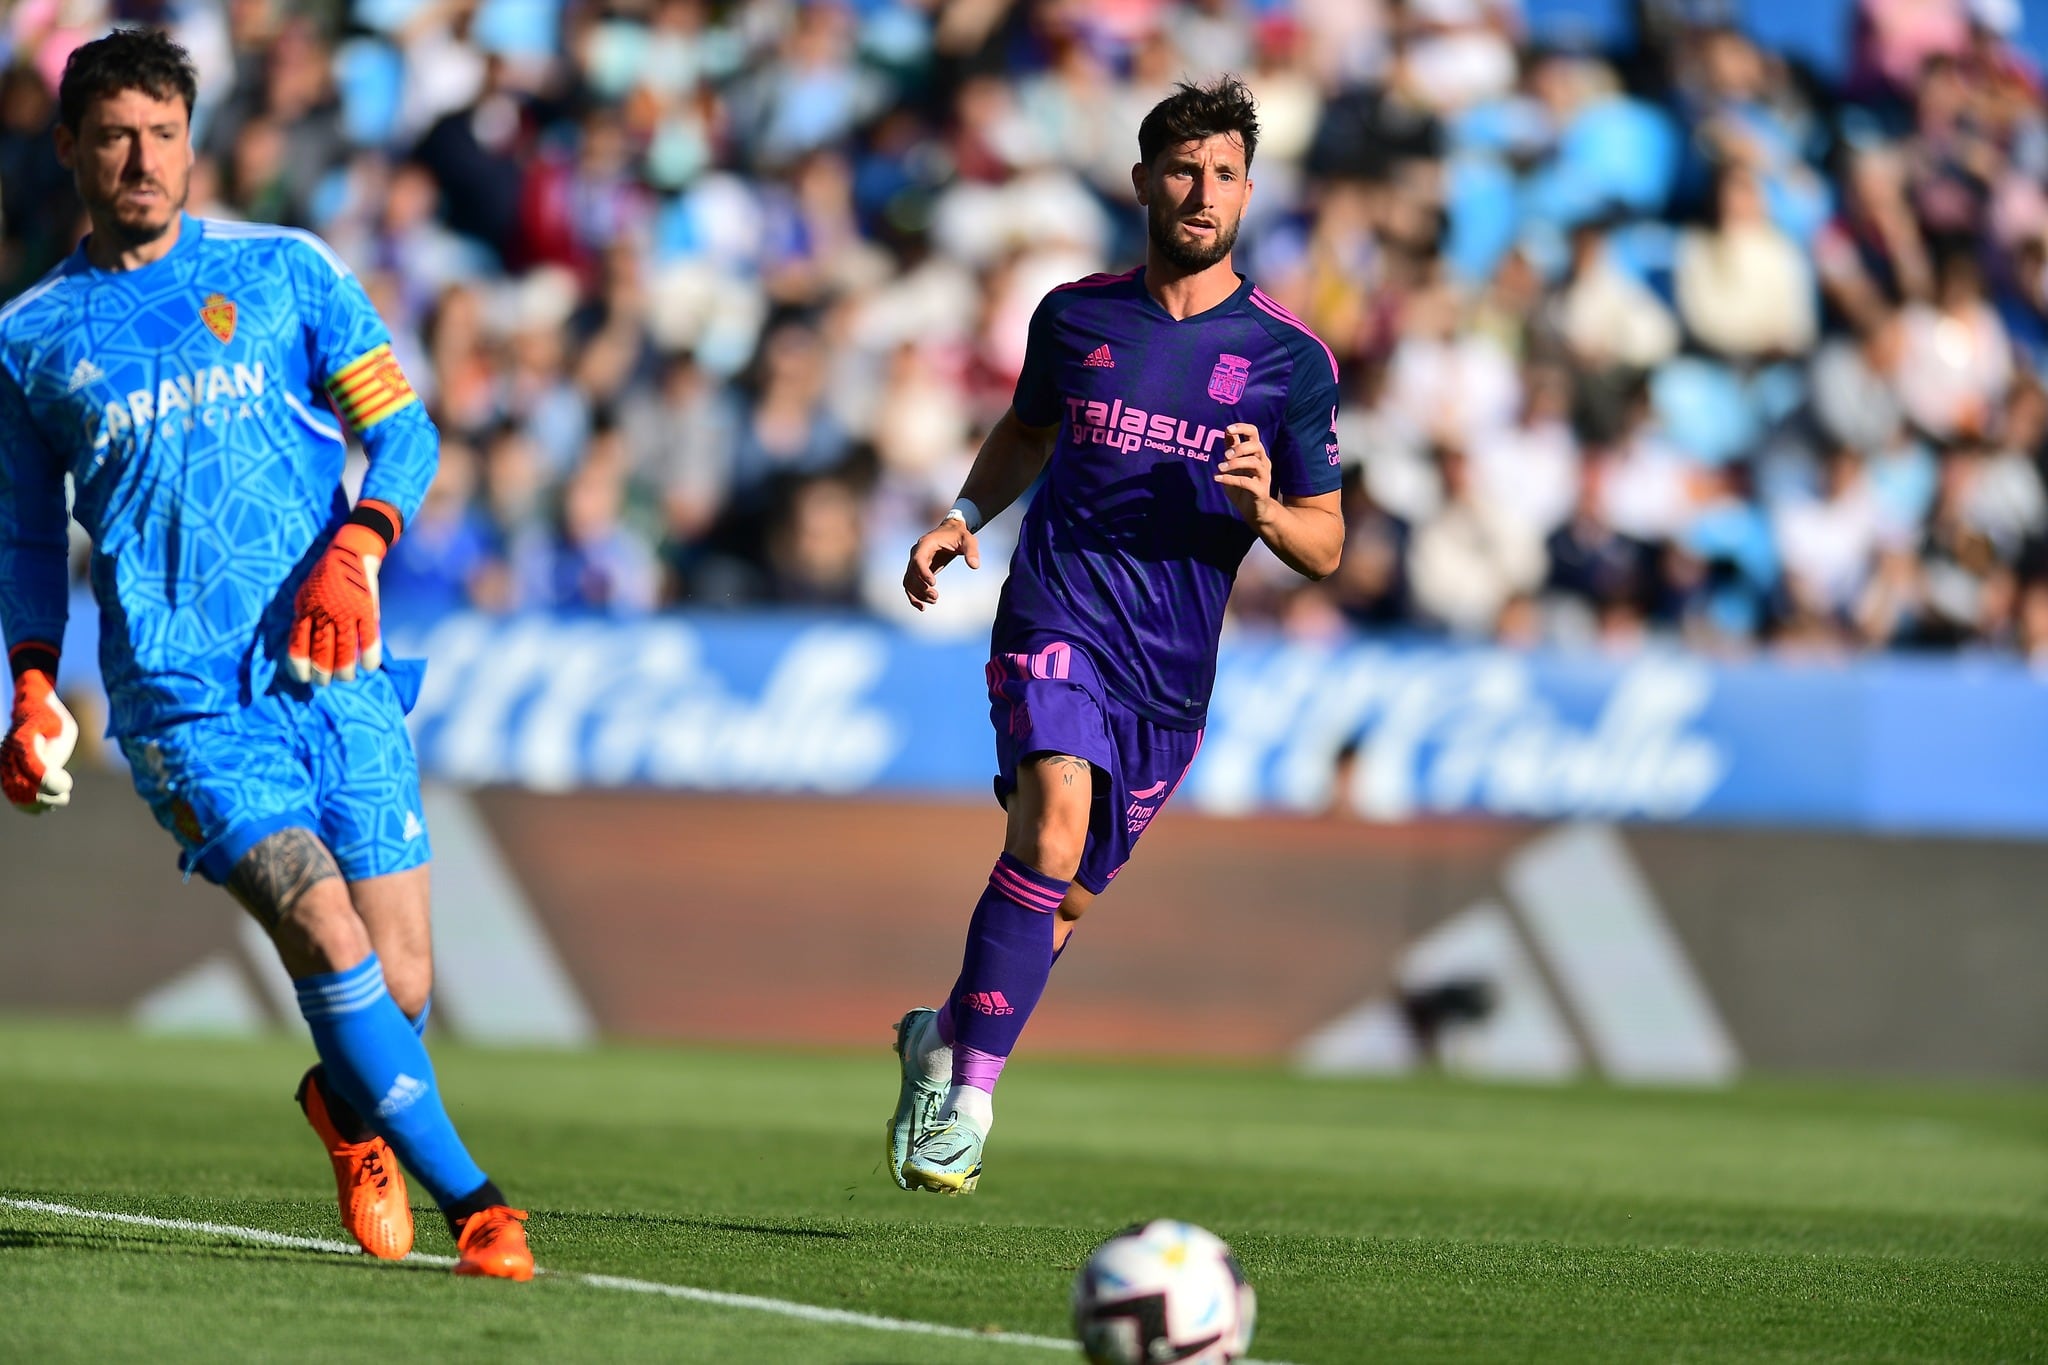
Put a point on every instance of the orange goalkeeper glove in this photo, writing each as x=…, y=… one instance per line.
x=334, y=628
x=40, y=738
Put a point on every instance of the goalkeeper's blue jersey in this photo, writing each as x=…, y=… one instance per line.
x=199, y=406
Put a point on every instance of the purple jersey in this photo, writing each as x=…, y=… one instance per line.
x=1131, y=546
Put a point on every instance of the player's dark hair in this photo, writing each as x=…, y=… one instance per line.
x=126, y=59
x=1194, y=112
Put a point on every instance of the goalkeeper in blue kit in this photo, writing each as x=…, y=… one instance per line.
x=186, y=375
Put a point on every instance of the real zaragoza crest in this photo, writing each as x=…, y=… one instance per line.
x=218, y=313
x=1226, y=381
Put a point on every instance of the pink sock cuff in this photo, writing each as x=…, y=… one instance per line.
x=972, y=1066
x=1016, y=880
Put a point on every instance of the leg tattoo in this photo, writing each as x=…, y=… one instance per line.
x=273, y=875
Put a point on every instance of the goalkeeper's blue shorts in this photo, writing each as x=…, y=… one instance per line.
x=337, y=762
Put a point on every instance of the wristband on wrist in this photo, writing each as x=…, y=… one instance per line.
x=377, y=516
x=967, y=512
x=32, y=656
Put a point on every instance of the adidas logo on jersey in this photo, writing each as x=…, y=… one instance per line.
x=413, y=827
x=83, y=373
x=403, y=1094
x=1100, y=359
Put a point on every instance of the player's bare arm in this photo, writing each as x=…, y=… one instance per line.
x=1004, y=467
x=1306, y=533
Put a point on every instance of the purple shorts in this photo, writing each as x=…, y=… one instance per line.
x=1051, y=701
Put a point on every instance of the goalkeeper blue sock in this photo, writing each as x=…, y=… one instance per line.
x=375, y=1060
x=352, y=1126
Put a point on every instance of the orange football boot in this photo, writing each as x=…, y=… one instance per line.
x=368, y=1181
x=493, y=1243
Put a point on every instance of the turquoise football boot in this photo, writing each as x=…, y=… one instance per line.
x=946, y=1160
x=917, y=1099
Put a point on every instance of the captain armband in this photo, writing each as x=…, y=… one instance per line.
x=371, y=388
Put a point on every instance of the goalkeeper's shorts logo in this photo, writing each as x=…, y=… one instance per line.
x=218, y=313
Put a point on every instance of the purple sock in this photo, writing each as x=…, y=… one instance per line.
x=1008, y=958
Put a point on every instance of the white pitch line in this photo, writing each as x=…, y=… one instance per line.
x=260, y=1236
x=787, y=1308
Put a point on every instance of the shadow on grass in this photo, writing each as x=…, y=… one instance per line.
x=708, y=1225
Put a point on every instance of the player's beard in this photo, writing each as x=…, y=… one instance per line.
x=130, y=231
x=1188, y=257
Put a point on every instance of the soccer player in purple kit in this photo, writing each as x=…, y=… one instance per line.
x=1179, y=415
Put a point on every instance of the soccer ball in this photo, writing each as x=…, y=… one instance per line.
x=1163, y=1291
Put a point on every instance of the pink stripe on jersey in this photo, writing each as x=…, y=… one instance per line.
x=1094, y=281
x=1278, y=307
x=1274, y=310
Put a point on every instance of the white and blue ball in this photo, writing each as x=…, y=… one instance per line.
x=1162, y=1292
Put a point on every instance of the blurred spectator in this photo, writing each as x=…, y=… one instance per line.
x=2008, y=503
x=787, y=428
x=1475, y=557
x=1370, y=586
x=1608, y=316
x=1744, y=289
x=1968, y=589
x=2033, y=621
x=1872, y=256
x=1602, y=578
x=680, y=441
x=586, y=559
x=448, y=557
x=1531, y=467
x=1954, y=358
x=39, y=211
x=1828, y=539
x=814, y=548
x=712, y=299
x=1647, y=484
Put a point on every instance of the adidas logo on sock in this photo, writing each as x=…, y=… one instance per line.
x=987, y=1002
x=1100, y=358
x=403, y=1094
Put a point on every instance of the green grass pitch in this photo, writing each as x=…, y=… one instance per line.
x=1411, y=1221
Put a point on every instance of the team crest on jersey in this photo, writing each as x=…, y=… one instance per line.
x=218, y=313
x=1226, y=381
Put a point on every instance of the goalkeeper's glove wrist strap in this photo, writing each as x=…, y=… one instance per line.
x=379, y=517
x=32, y=656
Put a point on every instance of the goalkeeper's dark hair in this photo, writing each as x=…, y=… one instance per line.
x=127, y=59
x=1194, y=112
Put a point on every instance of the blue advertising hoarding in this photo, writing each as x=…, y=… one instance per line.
x=830, y=705
x=1386, y=731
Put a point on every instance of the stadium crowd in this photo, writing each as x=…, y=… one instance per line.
x=713, y=300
